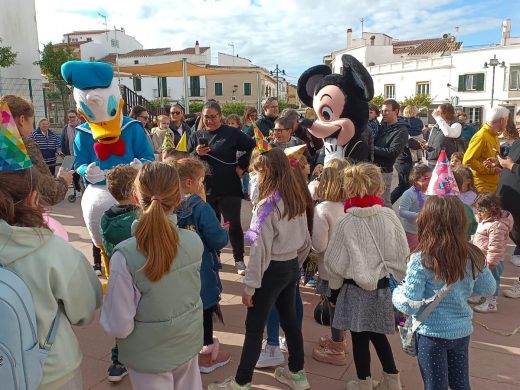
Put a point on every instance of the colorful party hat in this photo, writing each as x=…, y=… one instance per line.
x=442, y=182
x=182, y=146
x=13, y=153
x=261, y=143
x=295, y=151
x=168, y=141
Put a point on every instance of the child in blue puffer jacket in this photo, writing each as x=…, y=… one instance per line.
x=196, y=215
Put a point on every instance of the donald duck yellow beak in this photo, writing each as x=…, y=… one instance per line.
x=107, y=132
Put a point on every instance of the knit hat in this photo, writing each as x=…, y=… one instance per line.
x=442, y=182
x=261, y=143
x=13, y=153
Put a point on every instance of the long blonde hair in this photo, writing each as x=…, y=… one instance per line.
x=362, y=180
x=331, y=186
x=158, y=189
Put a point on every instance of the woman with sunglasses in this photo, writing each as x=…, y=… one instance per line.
x=177, y=123
x=141, y=114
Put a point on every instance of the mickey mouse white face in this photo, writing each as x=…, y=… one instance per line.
x=328, y=103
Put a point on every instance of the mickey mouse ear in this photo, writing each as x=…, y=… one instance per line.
x=308, y=81
x=360, y=75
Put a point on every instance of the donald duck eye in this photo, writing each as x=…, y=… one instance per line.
x=326, y=113
x=112, y=106
x=87, y=111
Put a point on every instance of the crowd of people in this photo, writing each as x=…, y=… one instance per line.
x=374, y=265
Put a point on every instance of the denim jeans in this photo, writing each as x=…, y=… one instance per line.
x=278, y=285
x=245, y=183
x=273, y=322
x=443, y=362
x=497, y=273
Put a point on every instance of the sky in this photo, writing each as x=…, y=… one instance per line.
x=294, y=35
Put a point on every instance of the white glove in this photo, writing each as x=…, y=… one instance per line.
x=136, y=164
x=94, y=174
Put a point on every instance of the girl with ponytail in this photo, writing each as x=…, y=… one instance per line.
x=153, y=303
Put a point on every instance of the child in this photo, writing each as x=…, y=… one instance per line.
x=158, y=133
x=153, y=303
x=173, y=154
x=494, y=225
x=331, y=194
x=115, y=226
x=415, y=130
x=368, y=243
x=53, y=271
x=196, y=215
x=456, y=160
x=472, y=222
x=468, y=191
x=443, y=256
x=233, y=120
x=412, y=201
x=280, y=242
x=335, y=163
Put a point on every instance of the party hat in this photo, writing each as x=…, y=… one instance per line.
x=168, y=141
x=442, y=182
x=295, y=151
x=13, y=153
x=182, y=146
x=261, y=143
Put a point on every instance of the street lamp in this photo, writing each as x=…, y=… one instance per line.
x=277, y=71
x=494, y=63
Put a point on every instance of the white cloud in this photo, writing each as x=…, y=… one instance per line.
x=293, y=34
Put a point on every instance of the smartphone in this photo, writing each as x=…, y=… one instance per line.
x=68, y=162
x=203, y=142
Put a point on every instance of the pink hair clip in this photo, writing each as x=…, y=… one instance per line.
x=156, y=197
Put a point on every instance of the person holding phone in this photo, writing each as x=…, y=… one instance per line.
x=217, y=145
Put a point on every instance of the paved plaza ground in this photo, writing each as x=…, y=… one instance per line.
x=494, y=359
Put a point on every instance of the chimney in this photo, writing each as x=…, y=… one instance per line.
x=197, y=48
x=349, y=38
x=506, y=32
x=372, y=40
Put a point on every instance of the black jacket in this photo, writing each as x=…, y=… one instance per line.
x=176, y=136
x=224, y=143
x=389, y=143
x=405, y=158
x=509, y=189
x=438, y=141
x=265, y=124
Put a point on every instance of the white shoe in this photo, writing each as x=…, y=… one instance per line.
x=489, y=306
x=241, y=267
x=283, y=344
x=476, y=300
x=513, y=291
x=515, y=259
x=271, y=356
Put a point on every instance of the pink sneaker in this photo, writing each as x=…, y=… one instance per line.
x=207, y=364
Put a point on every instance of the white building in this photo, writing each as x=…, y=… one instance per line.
x=440, y=67
x=167, y=87
x=19, y=31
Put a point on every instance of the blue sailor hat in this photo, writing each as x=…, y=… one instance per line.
x=87, y=75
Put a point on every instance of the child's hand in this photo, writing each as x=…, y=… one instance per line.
x=492, y=266
x=247, y=300
x=225, y=225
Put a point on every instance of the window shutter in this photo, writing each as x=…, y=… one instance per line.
x=479, y=81
x=461, y=83
x=164, y=87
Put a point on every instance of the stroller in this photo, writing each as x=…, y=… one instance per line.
x=78, y=187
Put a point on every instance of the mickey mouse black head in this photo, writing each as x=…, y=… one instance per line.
x=339, y=100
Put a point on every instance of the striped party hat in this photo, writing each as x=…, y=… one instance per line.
x=13, y=153
x=442, y=182
x=261, y=143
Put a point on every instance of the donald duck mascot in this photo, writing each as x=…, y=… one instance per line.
x=105, y=140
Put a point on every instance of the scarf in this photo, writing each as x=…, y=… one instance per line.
x=364, y=201
x=420, y=197
x=265, y=209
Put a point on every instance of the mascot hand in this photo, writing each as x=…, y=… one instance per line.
x=94, y=174
x=136, y=164
x=307, y=123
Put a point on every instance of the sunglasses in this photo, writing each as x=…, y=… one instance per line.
x=175, y=113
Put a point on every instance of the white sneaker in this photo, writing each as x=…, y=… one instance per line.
x=283, y=344
x=271, y=356
x=513, y=291
x=489, y=306
x=476, y=300
x=241, y=267
x=515, y=259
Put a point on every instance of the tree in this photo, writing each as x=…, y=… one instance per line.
x=7, y=56
x=229, y=108
x=378, y=100
x=52, y=58
x=422, y=101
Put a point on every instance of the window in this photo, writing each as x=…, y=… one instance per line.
x=162, y=86
x=423, y=88
x=89, y=39
x=514, y=78
x=195, y=86
x=389, y=91
x=247, y=89
x=471, y=82
x=218, y=89
x=114, y=42
x=137, y=84
x=136, y=62
x=92, y=59
x=474, y=114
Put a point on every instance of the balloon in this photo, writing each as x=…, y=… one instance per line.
x=56, y=227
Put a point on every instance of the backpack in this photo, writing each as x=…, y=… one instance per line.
x=21, y=357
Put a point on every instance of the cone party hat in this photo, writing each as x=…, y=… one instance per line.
x=168, y=141
x=442, y=182
x=13, y=153
x=182, y=146
x=261, y=143
x=295, y=151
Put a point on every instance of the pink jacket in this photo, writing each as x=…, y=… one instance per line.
x=491, y=237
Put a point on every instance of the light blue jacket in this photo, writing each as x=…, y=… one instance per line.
x=452, y=318
x=409, y=209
